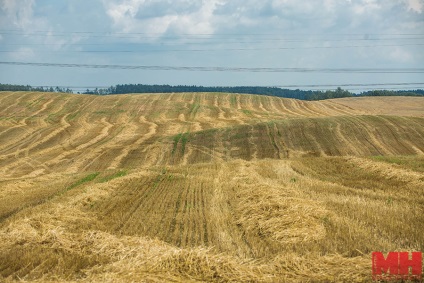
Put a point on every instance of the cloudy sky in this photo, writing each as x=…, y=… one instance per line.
x=296, y=43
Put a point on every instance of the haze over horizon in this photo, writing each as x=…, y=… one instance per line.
x=220, y=36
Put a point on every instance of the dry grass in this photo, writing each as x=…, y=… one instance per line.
x=395, y=105
x=59, y=241
x=204, y=187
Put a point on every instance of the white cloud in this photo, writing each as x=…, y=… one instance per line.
x=366, y=6
x=22, y=53
x=203, y=16
x=180, y=16
x=415, y=5
x=400, y=55
x=19, y=12
x=120, y=12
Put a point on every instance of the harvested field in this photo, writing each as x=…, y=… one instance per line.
x=198, y=187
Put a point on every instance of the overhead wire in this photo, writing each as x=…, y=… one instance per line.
x=210, y=50
x=21, y=31
x=162, y=41
x=288, y=37
x=231, y=39
x=220, y=68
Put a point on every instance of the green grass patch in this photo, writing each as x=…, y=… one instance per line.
x=33, y=103
x=184, y=140
x=412, y=162
x=270, y=127
x=278, y=132
x=53, y=117
x=233, y=100
x=194, y=108
x=207, y=133
x=240, y=135
x=102, y=112
x=118, y=174
x=247, y=112
x=159, y=178
x=86, y=179
x=176, y=140
x=73, y=116
x=109, y=111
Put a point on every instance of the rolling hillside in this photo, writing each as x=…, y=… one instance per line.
x=206, y=186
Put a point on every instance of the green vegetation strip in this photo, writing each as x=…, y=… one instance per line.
x=73, y=116
x=113, y=176
x=247, y=112
x=86, y=179
x=194, y=108
x=412, y=162
x=184, y=138
x=176, y=140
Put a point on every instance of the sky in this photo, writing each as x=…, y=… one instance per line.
x=306, y=44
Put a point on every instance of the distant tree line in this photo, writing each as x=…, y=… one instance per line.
x=272, y=91
x=417, y=92
x=10, y=87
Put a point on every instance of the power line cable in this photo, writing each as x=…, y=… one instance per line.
x=208, y=50
x=223, y=69
x=213, y=34
x=189, y=43
x=269, y=37
x=162, y=48
x=255, y=40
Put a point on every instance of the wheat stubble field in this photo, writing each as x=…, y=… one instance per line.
x=206, y=187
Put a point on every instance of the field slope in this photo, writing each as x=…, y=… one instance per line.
x=196, y=187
